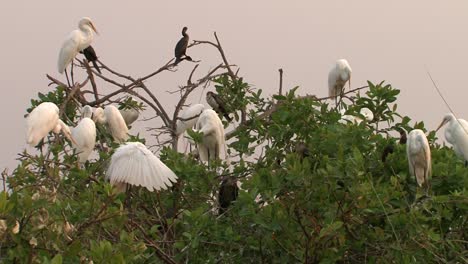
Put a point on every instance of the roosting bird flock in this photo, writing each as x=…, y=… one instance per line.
x=134, y=164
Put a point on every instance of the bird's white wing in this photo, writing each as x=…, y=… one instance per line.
x=460, y=138
x=43, y=119
x=189, y=118
x=134, y=164
x=419, y=156
x=69, y=50
x=85, y=136
x=116, y=123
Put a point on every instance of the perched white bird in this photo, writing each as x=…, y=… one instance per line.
x=132, y=163
x=78, y=40
x=213, y=143
x=338, y=76
x=129, y=115
x=114, y=121
x=366, y=112
x=85, y=135
x=42, y=120
x=419, y=156
x=188, y=118
x=456, y=134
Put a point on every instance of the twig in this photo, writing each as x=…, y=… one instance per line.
x=280, y=82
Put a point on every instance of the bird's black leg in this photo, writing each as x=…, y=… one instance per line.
x=71, y=73
x=68, y=80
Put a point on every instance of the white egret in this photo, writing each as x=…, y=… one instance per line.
x=419, y=156
x=134, y=164
x=366, y=112
x=213, y=142
x=42, y=120
x=337, y=78
x=129, y=115
x=217, y=104
x=85, y=135
x=188, y=118
x=78, y=40
x=114, y=121
x=456, y=134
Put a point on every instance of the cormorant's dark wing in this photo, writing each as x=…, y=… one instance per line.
x=90, y=55
x=181, y=48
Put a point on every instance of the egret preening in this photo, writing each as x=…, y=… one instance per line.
x=134, y=164
x=129, y=115
x=337, y=78
x=90, y=55
x=78, y=40
x=188, y=118
x=181, y=47
x=114, y=121
x=456, y=134
x=419, y=156
x=213, y=142
x=85, y=135
x=42, y=120
x=217, y=104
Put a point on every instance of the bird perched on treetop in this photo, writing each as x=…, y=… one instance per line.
x=217, y=104
x=419, y=156
x=337, y=78
x=90, y=55
x=456, y=134
x=391, y=148
x=181, y=47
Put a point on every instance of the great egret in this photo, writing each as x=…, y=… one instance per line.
x=134, y=164
x=129, y=115
x=78, y=40
x=228, y=192
x=456, y=134
x=337, y=78
x=114, y=120
x=188, y=118
x=419, y=156
x=85, y=134
x=213, y=142
x=181, y=47
x=217, y=104
x=42, y=120
x=90, y=55
x=366, y=112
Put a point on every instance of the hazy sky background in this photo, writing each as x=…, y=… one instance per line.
x=382, y=40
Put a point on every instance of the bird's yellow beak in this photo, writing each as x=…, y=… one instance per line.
x=441, y=125
x=94, y=28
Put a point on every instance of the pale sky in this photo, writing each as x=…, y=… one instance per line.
x=382, y=40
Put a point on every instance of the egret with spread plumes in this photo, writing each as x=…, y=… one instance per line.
x=85, y=134
x=419, y=156
x=42, y=120
x=112, y=117
x=134, y=164
x=78, y=40
x=338, y=76
x=213, y=142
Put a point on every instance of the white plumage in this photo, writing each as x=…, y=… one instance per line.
x=456, y=134
x=213, y=143
x=366, y=112
x=114, y=120
x=129, y=115
x=132, y=163
x=189, y=118
x=85, y=135
x=42, y=120
x=419, y=156
x=78, y=40
x=338, y=76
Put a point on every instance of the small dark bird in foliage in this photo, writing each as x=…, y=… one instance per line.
x=302, y=150
x=181, y=47
x=217, y=104
x=228, y=193
x=387, y=150
x=403, y=137
x=90, y=55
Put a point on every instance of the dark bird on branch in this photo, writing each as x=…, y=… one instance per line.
x=217, y=104
x=90, y=55
x=390, y=148
x=181, y=48
x=403, y=137
x=228, y=192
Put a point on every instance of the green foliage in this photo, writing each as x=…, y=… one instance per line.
x=338, y=203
